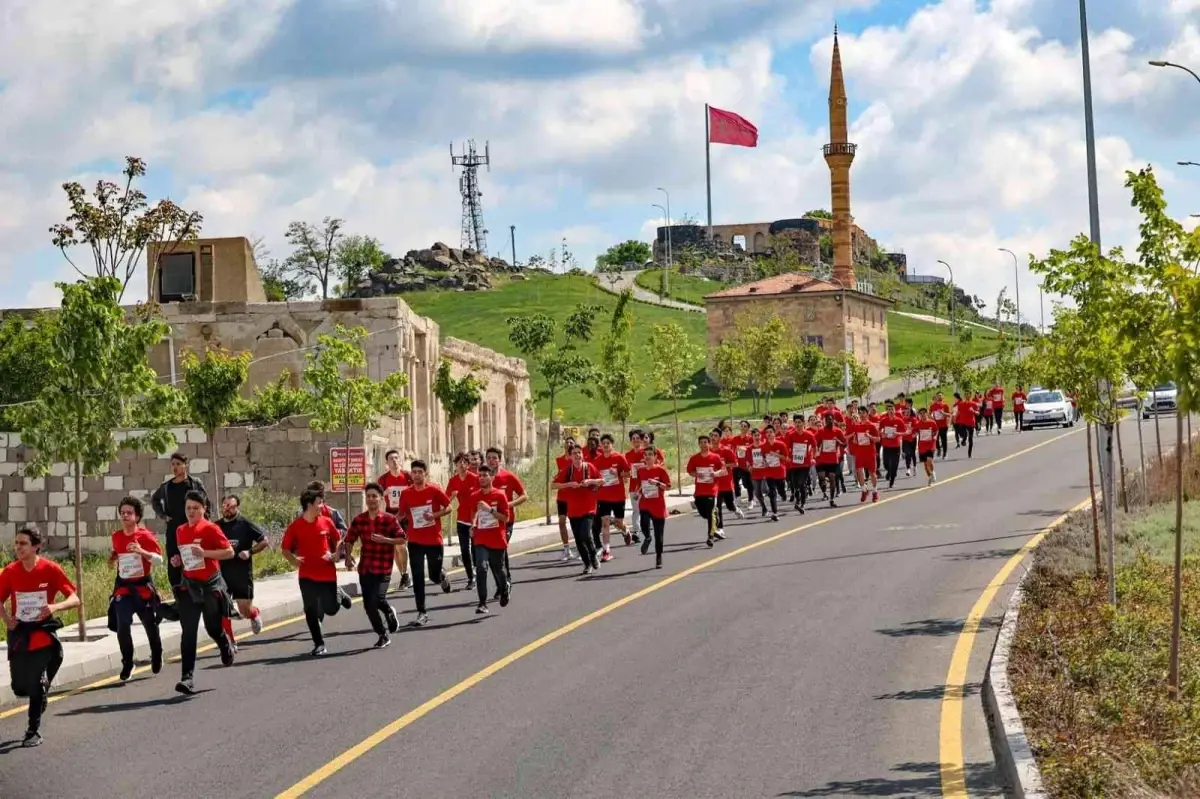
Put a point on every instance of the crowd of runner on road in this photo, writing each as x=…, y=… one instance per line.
x=785, y=460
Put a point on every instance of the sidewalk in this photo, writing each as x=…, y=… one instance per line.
x=277, y=598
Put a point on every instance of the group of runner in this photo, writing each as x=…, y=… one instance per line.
x=210, y=562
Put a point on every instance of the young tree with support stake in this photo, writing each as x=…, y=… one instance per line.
x=559, y=362
x=731, y=370
x=211, y=387
x=767, y=342
x=673, y=358
x=458, y=397
x=344, y=397
x=98, y=381
x=617, y=382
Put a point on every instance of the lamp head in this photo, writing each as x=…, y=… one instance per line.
x=1159, y=64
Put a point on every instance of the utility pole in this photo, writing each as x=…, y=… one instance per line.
x=512, y=234
x=1017, y=290
x=943, y=263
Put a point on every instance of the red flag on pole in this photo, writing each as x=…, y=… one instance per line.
x=726, y=127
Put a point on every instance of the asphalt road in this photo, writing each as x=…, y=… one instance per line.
x=811, y=665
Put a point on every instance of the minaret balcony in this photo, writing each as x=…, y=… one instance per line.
x=840, y=148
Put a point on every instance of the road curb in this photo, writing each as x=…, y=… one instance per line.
x=1014, y=755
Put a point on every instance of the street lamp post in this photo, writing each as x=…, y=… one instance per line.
x=943, y=263
x=667, y=274
x=1187, y=163
x=1176, y=66
x=1042, y=307
x=667, y=269
x=1017, y=284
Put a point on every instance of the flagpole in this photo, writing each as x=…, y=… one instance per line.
x=708, y=167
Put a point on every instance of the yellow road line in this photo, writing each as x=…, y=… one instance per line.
x=950, y=739
x=375, y=739
x=21, y=709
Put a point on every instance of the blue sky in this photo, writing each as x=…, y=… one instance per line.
x=967, y=114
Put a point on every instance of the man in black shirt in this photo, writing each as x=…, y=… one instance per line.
x=168, y=502
x=247, y=540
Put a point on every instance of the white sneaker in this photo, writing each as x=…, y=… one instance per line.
x=256, y=623
x=720, y=534
x=932, y=477
x=908, y=472
x=566, y=554
x=740, y=513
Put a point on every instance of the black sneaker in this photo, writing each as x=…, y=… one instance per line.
x=156, y=661
x=774, y=517
x=446, y=587
x=470, y=583
x=636, y=538
x=628, y=538
x=185, y=686
x=32, y=738
x=393, y=623
x=344, y=599
x=421, y=620
x=499, y=591
x=318, y=650
x=832, y=504
x=481, y=610
x=227, y=653
x=587, y=570
x=658, y=561
x=405, y=581
x=504, y=599
x=383, y=643
x=126, y=671
x=645, y=546
x=711, y=541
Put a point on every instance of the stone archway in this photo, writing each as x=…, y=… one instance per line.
x=760, y=242
x=275, y=349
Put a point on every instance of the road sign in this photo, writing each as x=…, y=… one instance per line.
x=347, y=465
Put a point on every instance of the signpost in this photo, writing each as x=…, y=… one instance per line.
x=347, y=469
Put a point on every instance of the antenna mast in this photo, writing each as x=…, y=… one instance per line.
x=474, y=234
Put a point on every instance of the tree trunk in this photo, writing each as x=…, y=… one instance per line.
x=1158, y=440
x=1095, y=510
x=1121, y=459
x=216, y=470
x=678, y=450
x=1142, y=457
x=79, y=552
x=547, y=463
x=1177, y=588
x=1189, y=434
x=731, y=414
x=1108, y=493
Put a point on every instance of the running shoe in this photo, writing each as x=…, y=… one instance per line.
x=740, y=513
x=344, y=598
x=256, y=623
x=126, y=671
x=658, y=562
x=421, y=620
x=628, y=538
x=227, y=655
x=720, y=534
x=156, y=662
x=875, y=497
x=318, y=650
x=863, y=498
x=471, y=582
x=565, y=558
x=646, y=545
x=504, y=599
x=393, y=623
x=711, y=540
x=446, y=587
x=481, y=610
x=405, y=581
x=774, y=518
x=606, y=557
x=587, y=569
x=32, y=738
x=635, y=538
x=185, y=686
x=383, y=642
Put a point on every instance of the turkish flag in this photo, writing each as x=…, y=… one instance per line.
x=726, y=127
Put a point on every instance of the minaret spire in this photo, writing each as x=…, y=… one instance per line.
x=839, y=155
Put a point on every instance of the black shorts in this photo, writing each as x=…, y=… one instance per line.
x=240, y=583
x=927, y=455
x=562, y=508
x=613, y=509
x=829, y=468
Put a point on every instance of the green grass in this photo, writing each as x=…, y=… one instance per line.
x=911, y=340
x=482, y=317
x=681, y=288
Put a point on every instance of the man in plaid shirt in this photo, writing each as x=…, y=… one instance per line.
x=380, y=534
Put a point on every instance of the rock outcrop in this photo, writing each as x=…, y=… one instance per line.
x=440, y=266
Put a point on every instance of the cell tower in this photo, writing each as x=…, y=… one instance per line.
x=474, y=235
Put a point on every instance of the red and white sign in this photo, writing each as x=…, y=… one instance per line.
x=347, y=469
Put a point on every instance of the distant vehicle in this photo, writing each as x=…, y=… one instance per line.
x=1044, y=407
x=1129, y=396
x=1163, y=399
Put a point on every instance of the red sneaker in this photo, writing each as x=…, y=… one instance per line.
x=863, y=498
x=606, y=557
x=875, y=498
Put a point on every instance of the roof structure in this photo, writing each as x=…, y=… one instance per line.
x=786, y=284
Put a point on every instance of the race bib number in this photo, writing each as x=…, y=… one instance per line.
x=130, y=566
x=889, y=432
x=864, y=439
x=772, y=459
x=926, y=435
x=649, y=490
x=1019, y=404
x=394, y=493
x=30, y=604
x=610, y=477
x=741, y=453
x=799, y=451
x=485, y=519
x=757, y=459
x=191, y=556
x=939, y=415
x=829, y=445
x=423, y=516
x=633, y=469
x=704, y=474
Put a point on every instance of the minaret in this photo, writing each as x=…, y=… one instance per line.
x=839, y=155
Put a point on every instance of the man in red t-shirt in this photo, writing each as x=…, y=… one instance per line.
x=610, y=497
x=996, y=398
x=741, y=475
x=939, y=411
x=966, y=422
x=462, y=484
x=802, y=446
x=1018, y=400
x=28, y=587
x=577, y=482
x=394, y=482
x=653, y=506
x=705, y=468
x=772, y=475
x=203, y=594
x=633, y=457
x=491, y=514
x=135, y=551
x=926, y=434
x=863, y=437
x=310, y=544
x=892, y=428
x=423, y=505
x=514, y=492
x=725, y=483
x=830, y=441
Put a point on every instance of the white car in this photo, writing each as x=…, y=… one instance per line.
x=1045, y=407
x=1163, y=399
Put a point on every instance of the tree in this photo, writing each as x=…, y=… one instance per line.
x=860, y=377
x=117, y=223
x=767, y=341
x=458, y=396
x=783, y=257
x=278, y=284
x=819, y=213
x=617, y=382
x=947, y=365
x=355, y=258
x=557, y=360
x=631, y=254
x=25, y=353
x=210, y=388
x=343, y=396
x=804, y=364
x=825, y=243
x=314, y=253
x=98, y=379
x=673, y=355
x=731, y=370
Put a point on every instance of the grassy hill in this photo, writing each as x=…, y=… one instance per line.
x=482, y=317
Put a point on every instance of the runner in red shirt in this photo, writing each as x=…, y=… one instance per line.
x=135, y=550
x=909, y=415
x=725, y=483
x=802, y=447
x=560, y=500
x=741, y=475
x=829, y=441
x=771, y=480
x=310, y=544
x=461, y=485
x=939, y=411
x=985, y=404
x=577, y=482
x=653, y=506
x=966, y=422
x=873, y=416
x=490, y=515
x=637, y=443
x=610, y=497
x=1018, y=400
x=423, y=505
x=202, y=594
x=514, y=492
x=926, y=431
x=28, y=587
x=892, y=428
x=706, y=467
x=394, y=481
x=996, y=398
x=864, y=437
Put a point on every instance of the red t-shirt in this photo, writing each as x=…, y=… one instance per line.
x=965, y=413
x=985, y=405
x=311, y=541
x=926, y=433
x=829, y=441
x=562, y=462
x=393, y=486
x=27, y=591
x=487, y=530
x=730, y=460
x=802, y=448
x=741, y=448
x=775, y=455
x=862, y=436
x=417, y=506
x=996, y=395
x=891, y=430
x=581, y=502
x=654, y=497
x=131, y=566
x=1018, y=399
x=910, y=418
x=703, y=469
x=462, y=487
x=940, y=412
x=205, y=535
x=611, y=467
x=509, y=483
x=634, y=458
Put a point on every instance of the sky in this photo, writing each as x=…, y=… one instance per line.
x=968, y=117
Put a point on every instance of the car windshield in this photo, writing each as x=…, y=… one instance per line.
x=1045, y=396
x=1165, y=387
